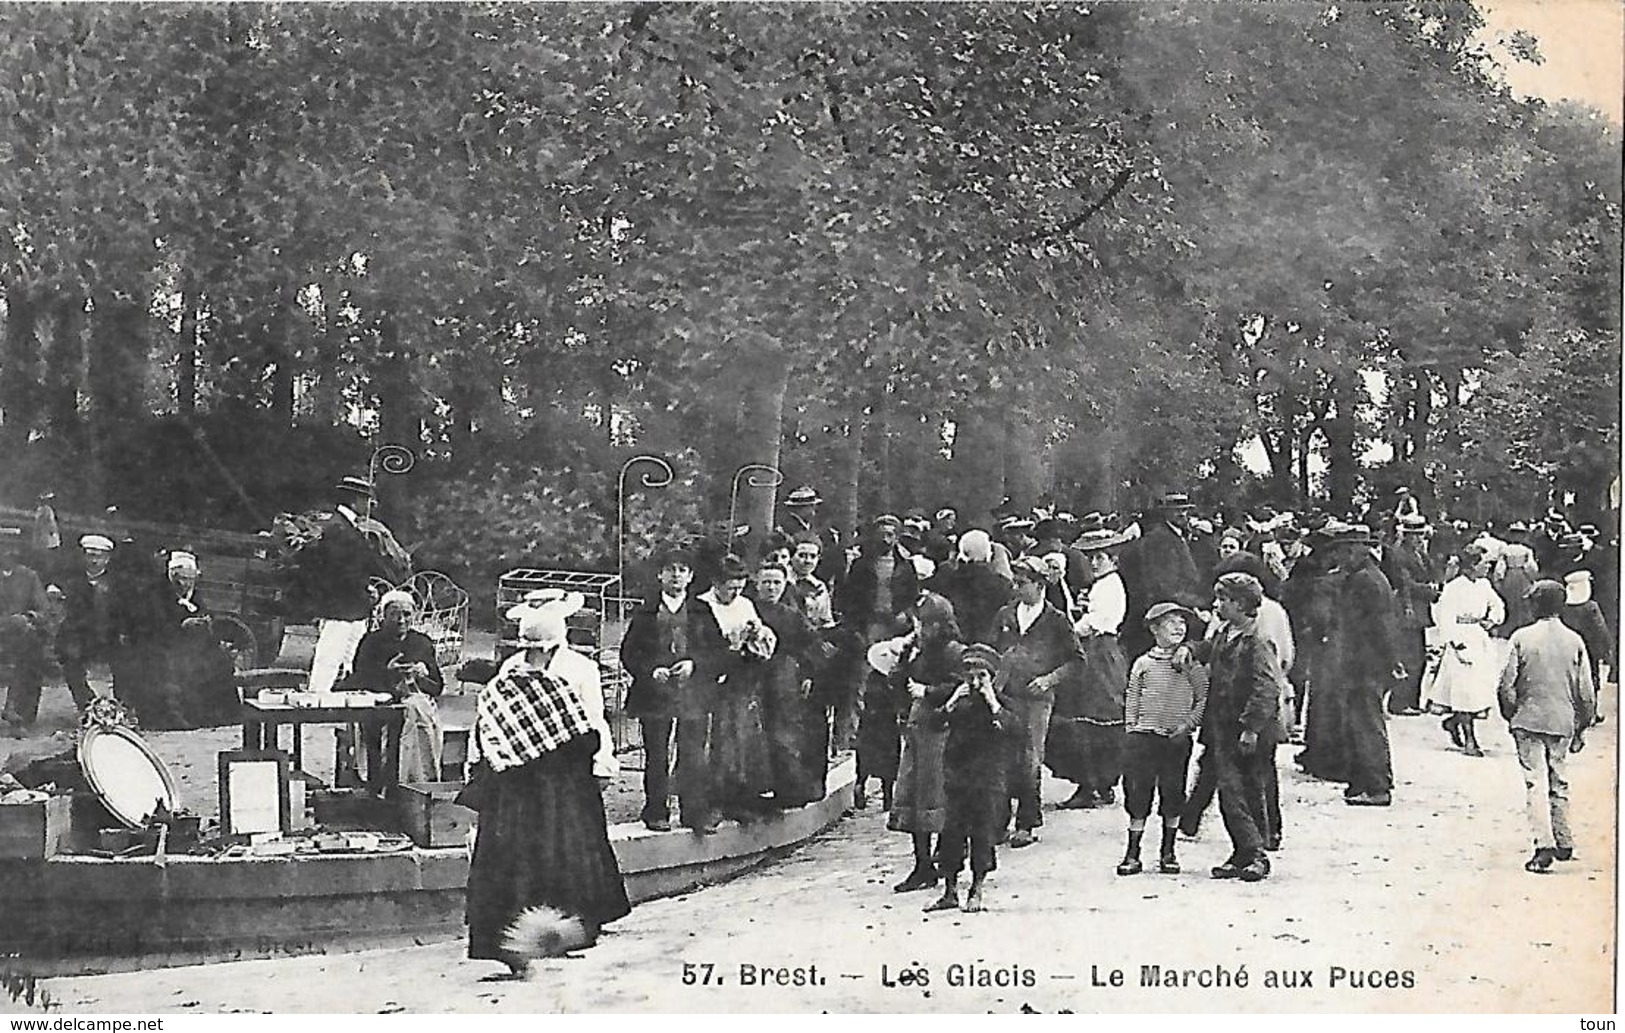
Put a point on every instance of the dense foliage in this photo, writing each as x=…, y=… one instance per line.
x=911, y=253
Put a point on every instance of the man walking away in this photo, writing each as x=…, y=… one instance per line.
x=1548, y=698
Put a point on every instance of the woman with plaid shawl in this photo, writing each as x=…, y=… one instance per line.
x=542, y=743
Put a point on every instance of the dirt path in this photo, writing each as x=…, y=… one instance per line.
x=1433, y=887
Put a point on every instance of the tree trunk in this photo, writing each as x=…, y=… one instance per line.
x=849, y=482
x=20, y=387
x=115, y=373
x=65, y=370
x=1022, y=463
x=978, y=463
x=186, y=359
x=282, y=337
x=1341, y=430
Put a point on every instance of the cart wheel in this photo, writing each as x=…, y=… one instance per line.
x=238, y=640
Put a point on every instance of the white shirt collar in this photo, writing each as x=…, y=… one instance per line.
x=673, y=603
x=1027, y=613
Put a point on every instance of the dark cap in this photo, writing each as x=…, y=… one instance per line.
x=1161, y=610
x=979, y=654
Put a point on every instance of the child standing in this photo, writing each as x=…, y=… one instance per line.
x=1162, y=710
x=975, y=776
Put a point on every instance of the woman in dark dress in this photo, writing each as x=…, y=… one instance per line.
x=796, y=722
x=739, y=746
x=200, y=673
x=542, y=743
x=926, y=672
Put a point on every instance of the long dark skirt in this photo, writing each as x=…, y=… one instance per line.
x=880, y=729
x=542, y=841
x=1325, y=754
x=797, y=734
x=740, y=753
x=1085, y=740
x=1088, y=754
x=920, y=800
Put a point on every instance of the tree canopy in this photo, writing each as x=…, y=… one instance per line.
x=914, y=253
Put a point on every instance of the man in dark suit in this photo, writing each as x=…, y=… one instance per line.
x=1405, y=564
x=22, y=634
x=1242, y=723
x=1362, y=645
x=1158, y=567
x=90, y=624
x=666, y=649
x=335, y=572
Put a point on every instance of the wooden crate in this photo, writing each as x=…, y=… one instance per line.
x=35, y=830
x=430, y=818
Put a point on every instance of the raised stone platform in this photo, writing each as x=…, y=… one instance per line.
x=83, y=915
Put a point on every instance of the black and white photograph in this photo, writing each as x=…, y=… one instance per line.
x=857, y=507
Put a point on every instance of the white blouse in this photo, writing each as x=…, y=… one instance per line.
x=1106, y=607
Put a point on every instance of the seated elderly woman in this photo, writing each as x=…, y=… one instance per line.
x=395, y=659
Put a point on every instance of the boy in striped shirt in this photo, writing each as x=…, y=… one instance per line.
x=1162, y=710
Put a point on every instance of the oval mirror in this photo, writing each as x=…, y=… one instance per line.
x=126, y=774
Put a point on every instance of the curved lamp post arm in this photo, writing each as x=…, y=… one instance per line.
x=649, y=479
x=390, y=459
x=757, y=475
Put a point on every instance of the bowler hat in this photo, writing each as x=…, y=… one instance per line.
x=360, y=485
x=1173, y=500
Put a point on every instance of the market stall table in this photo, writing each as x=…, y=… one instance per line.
x=262, y=722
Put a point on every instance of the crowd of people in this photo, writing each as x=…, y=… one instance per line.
x=116, y=606
x=962, y=660
x=1156, y=663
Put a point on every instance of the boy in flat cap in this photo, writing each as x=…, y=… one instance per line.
x=1242, y=721
x=974, y=775
x=1162, y=710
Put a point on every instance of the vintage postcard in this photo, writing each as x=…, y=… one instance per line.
x=810, y=507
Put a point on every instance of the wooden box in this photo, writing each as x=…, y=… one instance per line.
x=430, y=818
x=35, y=830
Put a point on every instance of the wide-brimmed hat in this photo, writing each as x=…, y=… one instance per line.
x=803, y=496
x=359, y=485
x=1161, y=610
x=1413, y=524
x=1090, y=541
x=1016, y=522
x=558, y=600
